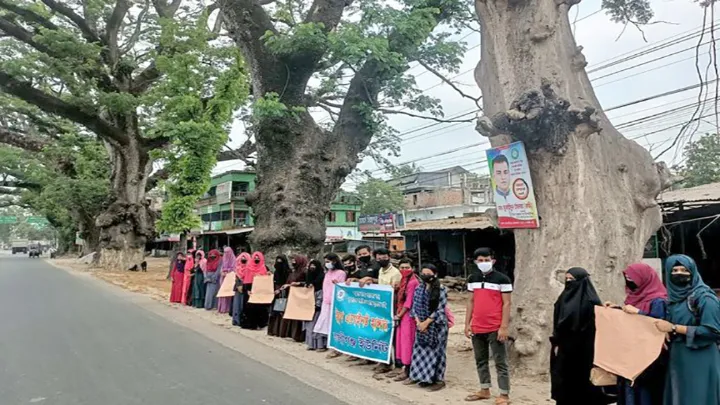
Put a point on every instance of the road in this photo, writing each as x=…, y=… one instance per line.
x=64, y=342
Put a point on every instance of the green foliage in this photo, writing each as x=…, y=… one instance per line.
x=702, y=162
x=629, y=11
x=378, y=197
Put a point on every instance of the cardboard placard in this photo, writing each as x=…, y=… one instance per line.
x=263, y=290
x=301, y=304
x=227, y=288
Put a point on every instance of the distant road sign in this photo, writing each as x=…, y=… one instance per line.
x=8, y=220
x=37, y=220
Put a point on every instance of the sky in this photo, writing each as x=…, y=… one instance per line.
x=653, y=73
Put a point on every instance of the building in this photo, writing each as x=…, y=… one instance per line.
x=227, y=219
x=442, y=194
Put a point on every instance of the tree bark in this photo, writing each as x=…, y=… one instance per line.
x=128, y=222
x=595, y=189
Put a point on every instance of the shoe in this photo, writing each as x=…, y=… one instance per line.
x=436, y=386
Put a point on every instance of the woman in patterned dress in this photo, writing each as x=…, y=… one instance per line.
x=429, y=359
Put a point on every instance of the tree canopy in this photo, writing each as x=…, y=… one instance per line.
x=379, y=196
x=701, y=161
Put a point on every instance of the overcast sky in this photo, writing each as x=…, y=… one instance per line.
x=629, y=81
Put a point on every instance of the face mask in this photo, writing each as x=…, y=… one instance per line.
x=350, y=268
x=329, y=266
x=428, y=278
x=383, y=263
x=364, y=259
x=569, y=282
x=243, y=261
x=680, y=280
x=631, y=285
x=485, y=267
x=257, y=261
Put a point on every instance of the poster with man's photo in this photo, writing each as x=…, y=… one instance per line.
x=512, y=186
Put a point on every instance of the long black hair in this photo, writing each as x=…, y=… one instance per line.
x=335, y=259
x=434, y=287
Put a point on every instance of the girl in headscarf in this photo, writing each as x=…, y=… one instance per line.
x=335, y=274
x=187, y=277
x=573, y=342
x=429, y=359
x=315, y=279
x=406, y=329
x=228, y=266
x=177, y=276
x=288, y=327
x=646, y=295
x=255, y=316
x=198, y=280
x=694, y=328
x=238, y=300
x=280, y=278
x=211, y=276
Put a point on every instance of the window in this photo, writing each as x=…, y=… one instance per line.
x=225, y=216
x=241, y=218
x=349, y=216
x=215, y=216
x=331, y=216
x=206, y=217
x=212, y=191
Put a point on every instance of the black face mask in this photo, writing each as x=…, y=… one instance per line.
x=383, y=263
x=257, y=261
x=428, y=278
x=680, y=280
x=350, y=268
x=631, y=285
x=243, y=261
x=364, y=259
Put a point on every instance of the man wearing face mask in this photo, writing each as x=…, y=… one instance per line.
x=487, y=323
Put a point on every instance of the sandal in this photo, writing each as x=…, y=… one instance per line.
x=333, y=355
x=437, y=386
x=409, y=382
x=478, y=396
x=322, y=350
x=402, y=377
x=394, y=373
x=502, y=400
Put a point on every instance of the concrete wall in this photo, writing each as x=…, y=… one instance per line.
x=432, y=213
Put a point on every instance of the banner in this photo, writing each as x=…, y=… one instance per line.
x=512, y=186
x=227, y=288
x=362, y=321
x=263, y=290
x=300, y=304
x=381, y=223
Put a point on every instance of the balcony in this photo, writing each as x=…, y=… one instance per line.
x=239, y=195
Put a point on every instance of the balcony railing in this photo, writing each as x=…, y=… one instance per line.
x=239, y=194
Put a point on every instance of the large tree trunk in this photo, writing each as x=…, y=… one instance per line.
x=595, y=189
x=89, y=233
x=128, y=222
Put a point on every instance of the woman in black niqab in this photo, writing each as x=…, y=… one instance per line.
x=573, y=342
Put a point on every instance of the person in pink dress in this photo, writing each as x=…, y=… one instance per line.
x=237, y=308
x=406, y=327
x=228, y=265
x=255, y=316
x=187, y=277
x=177, y=277
x=335, y=274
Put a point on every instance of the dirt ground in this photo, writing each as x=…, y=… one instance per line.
x=461, y=376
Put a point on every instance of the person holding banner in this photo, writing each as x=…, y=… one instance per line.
x=289, y=327
x=280, y=278
x=335, y=274
x=238, y=299
x=406, y=329
x=228, y=266
x=255, y=316
x=315, y=279
x=211, y=279
x=429, y=359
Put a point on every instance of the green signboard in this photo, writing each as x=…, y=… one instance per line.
x=8, y=220
x=37, y=220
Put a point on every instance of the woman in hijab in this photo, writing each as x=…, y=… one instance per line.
x=291, y=328
x=573, y=342
x=406, y=329
x=280, y=278
x=238, y=300
x=198, y=280
x=228, y=266
x=429, y=359
x=646, y=295
x=693, y=325
x=255, y=316
x=177, y=276
x=335, y=274
x=211, y=277
x=315, y=279
x=187, y=277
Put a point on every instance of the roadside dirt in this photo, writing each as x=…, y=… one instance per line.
x=461, y=375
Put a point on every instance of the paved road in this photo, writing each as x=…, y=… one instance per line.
x=63, y=342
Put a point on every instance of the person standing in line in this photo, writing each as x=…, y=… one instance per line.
x=177, y=276
x=693, y=325
x=198, y=280
x=228, y=266
x=211, y=279
x=280, y=278
x=255, y=316
x=315, y=279
x=406, y=328
x=238, y=299
x=390, y=276
x=647, y=296
x=335, y=274
x=487, y=323
x=429, y=359
x=290, y=328
x=187, y=277
x=573, y=342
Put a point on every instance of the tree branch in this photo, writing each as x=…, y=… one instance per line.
x=28, y=15
x=155, y=178
x=21, y=141
x=23, y=35
x=53, y=105
x=88, y=33
x=446, y=80
x=10, y=191
x=387, y=111
x=166, y=10
x=138, y=29
x=113, y=28
x=242, y=153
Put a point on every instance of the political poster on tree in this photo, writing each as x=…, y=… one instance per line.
x=512, y=187
x=362, y=321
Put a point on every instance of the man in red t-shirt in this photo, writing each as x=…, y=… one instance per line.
x=487, y=322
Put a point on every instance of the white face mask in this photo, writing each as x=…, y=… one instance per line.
x=485, y=267
x=329, y=266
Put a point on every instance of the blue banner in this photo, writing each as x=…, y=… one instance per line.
x=362, y=321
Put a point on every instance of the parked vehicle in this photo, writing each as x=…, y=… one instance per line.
x=34, y=252
x=20, y=246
